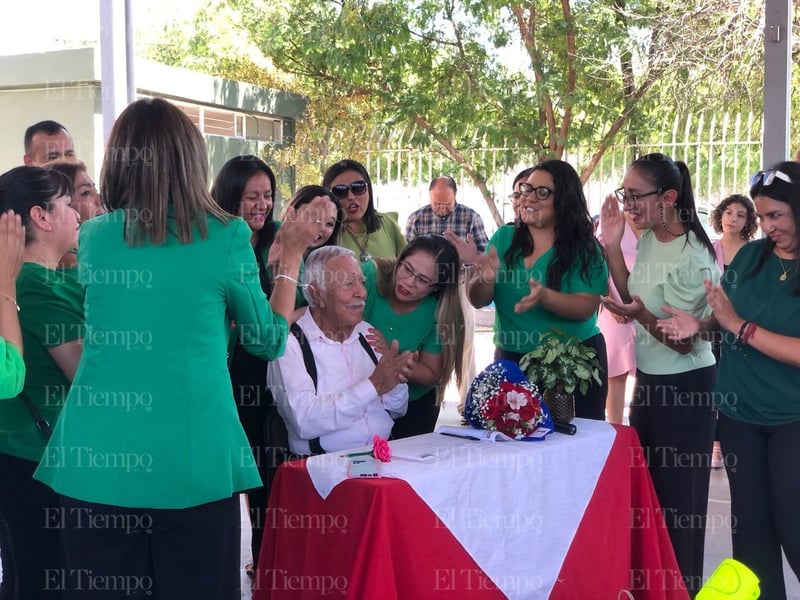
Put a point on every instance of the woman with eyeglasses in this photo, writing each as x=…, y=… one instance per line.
x=414, y=300
x=365, y=231
x=757, y=310
x=671, y=409
x=545, y=273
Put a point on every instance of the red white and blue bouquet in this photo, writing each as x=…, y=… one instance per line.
x=501, y=398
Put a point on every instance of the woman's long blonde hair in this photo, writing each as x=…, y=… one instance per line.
x=449, y=312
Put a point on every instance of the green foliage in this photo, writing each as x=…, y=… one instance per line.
x=560, y=359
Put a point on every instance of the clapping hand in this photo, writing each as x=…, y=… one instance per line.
x=393, y=368
x=12, y=244
x=535, y=297
x=486, y=267
x=722, y=306
x=467, y=250
x=679, y=326
x=631, y=310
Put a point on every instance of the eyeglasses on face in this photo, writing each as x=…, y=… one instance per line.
x=405, y=270
x=359, y=188
x=541, y=192
x=768, y=177
x=624, y=196
x=514, y=197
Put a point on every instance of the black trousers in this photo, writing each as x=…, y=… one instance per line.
x=761, y=463
x=592, y=404
x=30, y=532
x=111, y=552
x=420, y=417
x=675, y=419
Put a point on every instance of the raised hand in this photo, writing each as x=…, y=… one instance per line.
x=486, y=266
x=12, y=244
x=612, y=221
x=467, y=250
x=299, y=231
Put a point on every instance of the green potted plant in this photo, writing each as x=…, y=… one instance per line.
x=559, y=365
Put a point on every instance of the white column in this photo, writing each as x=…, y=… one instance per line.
x=116, y=60
x=777, y=81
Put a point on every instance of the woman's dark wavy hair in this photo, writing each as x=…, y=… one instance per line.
x=372, y=219
x=306, y=194
x=667, y=174
x=229, y=186
x=751, y=225
x=788, y=193
x=574, y=235
x=22, y=188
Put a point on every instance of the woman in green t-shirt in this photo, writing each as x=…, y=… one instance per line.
x=757, y=309
x=414, y=299
x=546, y=273
x=51, y=320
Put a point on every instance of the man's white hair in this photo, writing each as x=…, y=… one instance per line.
x=316, y=270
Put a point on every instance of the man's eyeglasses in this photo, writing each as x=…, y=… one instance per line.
x=405, y=270
x=768, y=177
x=624, y=196
x=358, y=188
x=541, y=192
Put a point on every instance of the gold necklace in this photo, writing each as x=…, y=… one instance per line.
x=39, y=259
x=786, y=271
x=365, y=256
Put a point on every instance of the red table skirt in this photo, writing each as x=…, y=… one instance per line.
x=378, y=539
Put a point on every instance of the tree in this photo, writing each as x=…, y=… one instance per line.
x=594, y=70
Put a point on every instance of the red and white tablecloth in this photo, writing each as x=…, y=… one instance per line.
x=570, y=517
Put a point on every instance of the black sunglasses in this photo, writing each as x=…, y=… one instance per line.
x=358, y=188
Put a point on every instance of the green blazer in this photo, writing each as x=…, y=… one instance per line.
x=150, y=420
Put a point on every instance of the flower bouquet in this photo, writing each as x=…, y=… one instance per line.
x=502, y=399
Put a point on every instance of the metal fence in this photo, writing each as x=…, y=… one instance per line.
x=721, y=151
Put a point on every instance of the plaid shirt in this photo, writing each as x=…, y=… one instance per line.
x=462, y=221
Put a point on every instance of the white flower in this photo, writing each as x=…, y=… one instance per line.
x=516, y=400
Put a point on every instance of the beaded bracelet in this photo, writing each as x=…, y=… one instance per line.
x=748, y=333
x=741, y=331
x=11, y=299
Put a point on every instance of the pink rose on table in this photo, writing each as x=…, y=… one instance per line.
x=381, y=449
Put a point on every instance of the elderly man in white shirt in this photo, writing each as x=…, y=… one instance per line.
x=354, y=393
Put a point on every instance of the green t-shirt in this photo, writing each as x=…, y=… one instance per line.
x=50, y=314
x=520, y=332
x=12, y=370
x=414, y=330
x=671, y=273
x=385, y=242
x=751, y=386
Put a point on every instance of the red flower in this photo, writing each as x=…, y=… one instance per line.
x=381, y=449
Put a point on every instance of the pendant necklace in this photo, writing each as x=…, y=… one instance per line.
x=39, y=259
x=364, y=256
x=786, y=271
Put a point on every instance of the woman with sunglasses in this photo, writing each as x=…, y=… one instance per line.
x=414, y=300
x=757, y=309
x=545, y=273
x=671, y=408
x=365, y=231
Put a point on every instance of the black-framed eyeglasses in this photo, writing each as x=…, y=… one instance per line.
x=768, y=177
x=359, y=188
x=514, y=197
x=624, y=196
x=406, y=270
x=541, y=192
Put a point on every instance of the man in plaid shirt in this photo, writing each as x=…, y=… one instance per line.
x=445, y=214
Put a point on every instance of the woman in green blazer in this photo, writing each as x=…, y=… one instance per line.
x=149, y=444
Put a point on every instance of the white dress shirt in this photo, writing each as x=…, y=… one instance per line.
x=345, y=410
